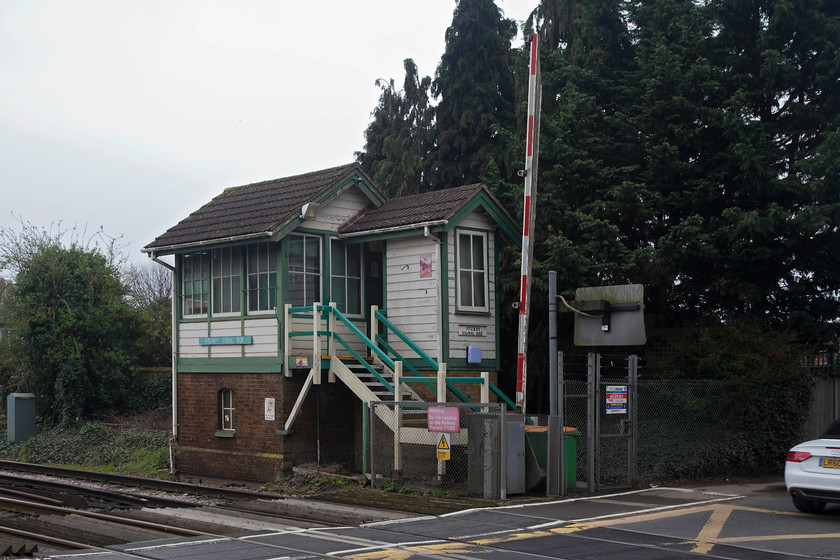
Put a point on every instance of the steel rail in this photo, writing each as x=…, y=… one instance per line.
x=35, y=507
x=134, y=481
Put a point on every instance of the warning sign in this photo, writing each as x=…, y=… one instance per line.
x=616, y=399
x=443, y=448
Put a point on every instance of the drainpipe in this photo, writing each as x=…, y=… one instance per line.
x=173, y=312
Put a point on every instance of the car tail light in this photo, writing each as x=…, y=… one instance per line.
x=797, y=456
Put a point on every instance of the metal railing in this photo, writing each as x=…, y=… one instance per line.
x=324, y=318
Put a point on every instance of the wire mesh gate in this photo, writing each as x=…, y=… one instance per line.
x=599, y=413
x=404, y=451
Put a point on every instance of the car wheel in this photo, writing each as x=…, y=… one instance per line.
x=808, y=506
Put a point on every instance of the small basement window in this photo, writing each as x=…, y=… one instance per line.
x=227, y=414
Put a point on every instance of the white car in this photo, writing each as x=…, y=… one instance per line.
x=812, y=471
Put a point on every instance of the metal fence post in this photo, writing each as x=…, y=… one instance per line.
x=561, y=413
x=633, y=367
x=503, y=454
x=591, y=414
x=372, y=444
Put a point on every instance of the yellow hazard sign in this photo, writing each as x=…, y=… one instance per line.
x=443, y=448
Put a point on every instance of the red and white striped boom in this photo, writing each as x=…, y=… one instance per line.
x=532, y=150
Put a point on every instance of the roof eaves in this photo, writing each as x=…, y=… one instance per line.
x=180, y=247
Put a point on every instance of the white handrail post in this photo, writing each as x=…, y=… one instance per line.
x=316, y=343
x=287, y=340
x=331, y=323
x=441, y=397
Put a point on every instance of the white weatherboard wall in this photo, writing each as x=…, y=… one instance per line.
x=486, y=323
x=413, y=301
x=262, y=330
x=302, y=345
x=337, y=211
x=188, y=335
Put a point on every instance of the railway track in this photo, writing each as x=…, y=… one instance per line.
x=97, y=510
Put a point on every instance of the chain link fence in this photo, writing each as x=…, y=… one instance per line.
x=404, y=451
x=687, y=428
x=678, y=428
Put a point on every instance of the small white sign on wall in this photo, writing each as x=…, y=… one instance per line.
x=269, y=409
x=472, y=330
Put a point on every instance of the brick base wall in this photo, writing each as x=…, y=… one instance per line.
x=257, y=451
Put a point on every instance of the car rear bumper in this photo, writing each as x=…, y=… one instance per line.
x=832, y=496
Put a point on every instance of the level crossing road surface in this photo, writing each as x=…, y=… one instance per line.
x=733, y=522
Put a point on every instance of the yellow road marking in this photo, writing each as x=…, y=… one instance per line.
x=764, y=538
x=705, y=541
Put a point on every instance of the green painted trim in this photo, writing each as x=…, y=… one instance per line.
x=284, y=432
x=230, y=365
x=225, y=434
x=475, y=313
x=498, y=297
x=384, y=273
x=461, y=363
x=444, y=296
x=483, y=200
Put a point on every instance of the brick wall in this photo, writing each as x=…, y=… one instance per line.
x=256, y=451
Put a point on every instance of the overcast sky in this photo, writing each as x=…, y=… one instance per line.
x=129, y=115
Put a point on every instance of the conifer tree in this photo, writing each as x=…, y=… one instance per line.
x=398, y=140
x=475, y=88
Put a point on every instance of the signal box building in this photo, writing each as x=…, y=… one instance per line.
x=296, y=298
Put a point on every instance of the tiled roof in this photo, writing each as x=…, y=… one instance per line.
x=251, y=209
x=416, y=209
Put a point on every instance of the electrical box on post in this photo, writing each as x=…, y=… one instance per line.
x=20, y=414
x=610, y=315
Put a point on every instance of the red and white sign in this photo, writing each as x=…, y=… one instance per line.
x=444, y=419
x=616, y=399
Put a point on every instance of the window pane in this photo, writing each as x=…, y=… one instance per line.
x=466, y=288
x=312, y=288
x=464, y=258
x=296, y=253
x=354, y=260
x=478, y=290
x=217, y=289
x=338, y=261
x=236, y=293
x=478, y=252
x=354, y=296
x=313, y=261
x=337, y=294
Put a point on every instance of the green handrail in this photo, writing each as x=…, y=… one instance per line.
x=355, y=330
x=425, y=357
x=308, y=311
x=381, y=341
x=365, y=363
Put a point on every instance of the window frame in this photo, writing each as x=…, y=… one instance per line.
x=270, y=273
x=303, y=273
x=204, y=280
x=227, y=405
x=344, y=278
x=472, y=271
x=234, y=276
